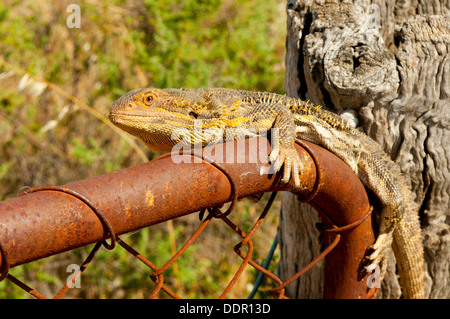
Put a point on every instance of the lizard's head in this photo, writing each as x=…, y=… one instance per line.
x=154, y=114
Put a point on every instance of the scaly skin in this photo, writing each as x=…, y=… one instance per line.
x=163, y=118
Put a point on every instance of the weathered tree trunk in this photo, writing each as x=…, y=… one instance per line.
x=389, y=61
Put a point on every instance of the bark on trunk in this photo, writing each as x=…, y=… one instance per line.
x=388, y=61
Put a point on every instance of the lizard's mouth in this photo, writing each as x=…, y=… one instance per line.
x=145, y=120
x=117, y=117
x=120, y=116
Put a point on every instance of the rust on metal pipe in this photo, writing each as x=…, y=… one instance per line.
x=48, y=222
x=342, y=200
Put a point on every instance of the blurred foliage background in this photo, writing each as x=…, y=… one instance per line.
x=56, y=87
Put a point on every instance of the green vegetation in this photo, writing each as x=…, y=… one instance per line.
x=47, y=138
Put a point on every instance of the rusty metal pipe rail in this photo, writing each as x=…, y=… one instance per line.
x=49, y=222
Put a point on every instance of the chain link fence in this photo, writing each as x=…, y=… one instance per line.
x=110, y=226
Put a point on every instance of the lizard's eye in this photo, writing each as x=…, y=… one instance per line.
x=149, y=98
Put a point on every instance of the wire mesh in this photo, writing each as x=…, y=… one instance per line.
x=157, y=275
x=213, y=213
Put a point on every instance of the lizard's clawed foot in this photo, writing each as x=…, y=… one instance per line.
x=289, y=159
x=380, y=256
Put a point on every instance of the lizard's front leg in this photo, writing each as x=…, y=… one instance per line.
x=283, y=153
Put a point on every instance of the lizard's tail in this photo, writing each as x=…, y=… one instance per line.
x=410, y=261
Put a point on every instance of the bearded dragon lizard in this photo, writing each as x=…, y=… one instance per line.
x=153, y=115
